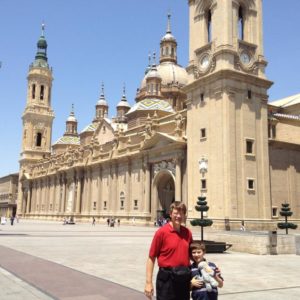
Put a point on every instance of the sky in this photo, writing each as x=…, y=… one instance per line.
x=95, y=41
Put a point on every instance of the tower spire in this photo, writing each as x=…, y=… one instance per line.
x=168, y=45
x=41, y=54
x=43, y=29
x=169, y=23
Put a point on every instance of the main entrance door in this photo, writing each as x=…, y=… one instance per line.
x=164, y=186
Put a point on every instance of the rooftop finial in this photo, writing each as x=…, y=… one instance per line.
x=102, y=89
x=149, y=58
x=154, y=58
x=169, y=23
x=72, y=110
x=43, y=28
x=124, y=90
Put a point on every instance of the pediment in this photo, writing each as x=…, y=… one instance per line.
x=159, y=140
x=104, y=132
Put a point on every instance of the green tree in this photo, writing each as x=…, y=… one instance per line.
x=201, y=207
x=286, y=212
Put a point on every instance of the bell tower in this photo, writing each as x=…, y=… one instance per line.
x=227, y=110
x=38, y=114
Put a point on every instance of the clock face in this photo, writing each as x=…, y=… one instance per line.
x=245, y=58
x=204, y=62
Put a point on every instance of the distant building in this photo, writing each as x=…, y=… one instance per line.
x=8, y=195
x=206, y=129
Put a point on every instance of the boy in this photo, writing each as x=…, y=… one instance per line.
x=199, y=291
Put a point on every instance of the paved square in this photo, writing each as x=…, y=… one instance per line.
x=118, y=255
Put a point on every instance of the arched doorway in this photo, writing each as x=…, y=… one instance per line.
x=164, y=193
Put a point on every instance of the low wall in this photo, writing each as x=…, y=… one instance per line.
x=261, y=243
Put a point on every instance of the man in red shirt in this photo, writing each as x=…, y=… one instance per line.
x=170, y=246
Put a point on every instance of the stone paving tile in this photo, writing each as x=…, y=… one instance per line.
x=14, y=288
x=119, y=255
x=59, y=281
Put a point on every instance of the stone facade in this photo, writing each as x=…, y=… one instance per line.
x=8, y=195
x=206, y=129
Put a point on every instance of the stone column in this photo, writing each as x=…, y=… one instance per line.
x=78, y=194
x=53, y=197
x=147, y=187
x=33, y=201
x=89, y=190
x=128, y=199
x=113, y=188
x=62, y=193
x=99, y=190
x=24, y=201
x=29, y=199
x=178, y=179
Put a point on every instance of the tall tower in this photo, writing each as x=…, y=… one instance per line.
x=38, y=115
x=227, y=110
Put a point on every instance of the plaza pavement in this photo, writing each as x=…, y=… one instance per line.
x=42, y=260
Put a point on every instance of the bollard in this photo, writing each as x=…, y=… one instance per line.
x=273, y=242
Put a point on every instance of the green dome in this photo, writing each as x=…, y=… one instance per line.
x=42, y=43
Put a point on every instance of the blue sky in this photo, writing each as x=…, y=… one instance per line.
x=90, y=41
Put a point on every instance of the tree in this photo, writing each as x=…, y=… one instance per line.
x=202, y=207
x=286, y=212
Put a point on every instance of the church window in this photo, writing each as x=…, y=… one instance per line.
x=172, y=52
x=135, y=204
x=201, y=97
x=33, y=91
x=50, y=208
x=241, y=23
x=250, y=184
x=38, y=141
x=249, y=94
x=275, y=212
x=42, y=91
x=167, y=50
x=203, y=132
x=152, y=87
x=249, y=146
x=272, y=131
x=209, y=27
x=105, y=204
x=94, y=205
x=122, y=200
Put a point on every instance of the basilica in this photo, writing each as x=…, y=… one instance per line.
x=204, y=129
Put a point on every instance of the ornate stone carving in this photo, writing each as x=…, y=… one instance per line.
x=164, y=165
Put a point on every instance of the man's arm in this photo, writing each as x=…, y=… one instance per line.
x=149, y=290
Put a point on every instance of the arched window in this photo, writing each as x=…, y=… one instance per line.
x=122, y=200
x=38, y=141
x=42, y=91
x=33, y=91
x=172, y=52
x=167, y=50
x=209, y=27
x=241, y=23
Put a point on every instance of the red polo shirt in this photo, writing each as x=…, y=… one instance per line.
x=171, y=247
